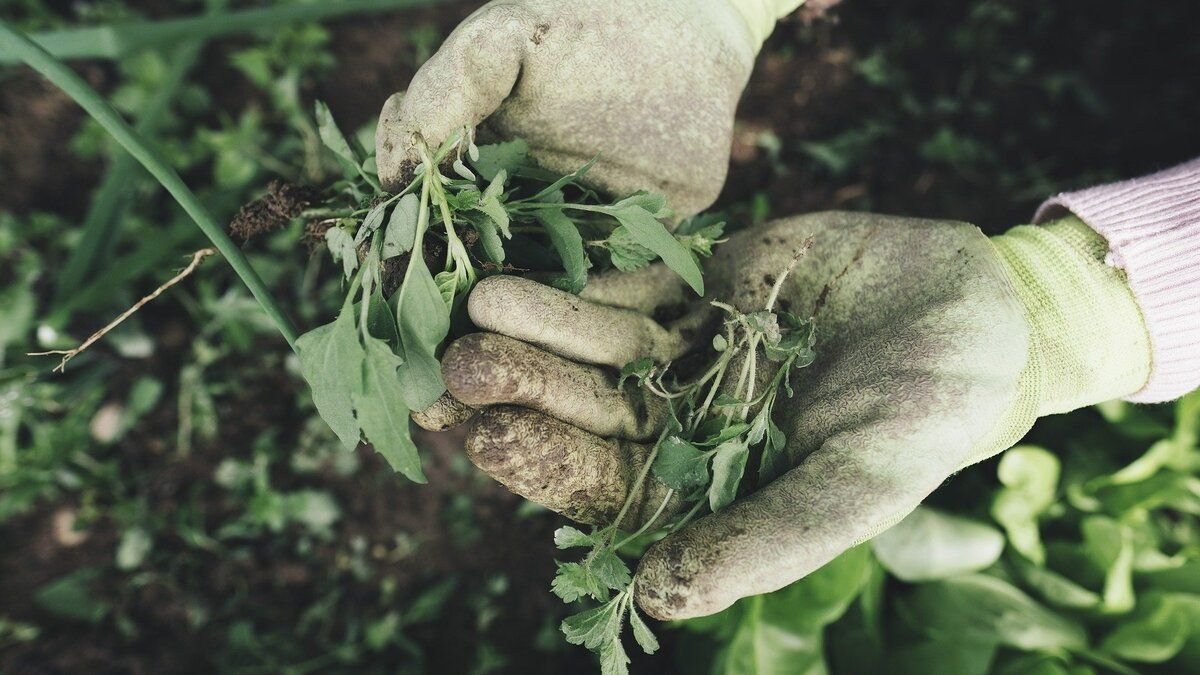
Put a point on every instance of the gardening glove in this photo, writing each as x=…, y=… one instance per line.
x=648, y=86
x=936, y=348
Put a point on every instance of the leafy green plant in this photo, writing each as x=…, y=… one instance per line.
x=498, y=213
x=717, y=422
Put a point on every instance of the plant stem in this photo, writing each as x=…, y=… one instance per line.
x=74, y=86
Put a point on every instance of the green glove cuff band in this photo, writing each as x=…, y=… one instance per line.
x=762, y=15
x=1088, y=339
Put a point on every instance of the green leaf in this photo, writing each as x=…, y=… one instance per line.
x=570, y=537
x=774, y=457
x=610, y=569
x=331, y=360
x=1030, y=478
x=613, y=659
x=382, y=412
x=1109, y=544
x=489, y=238
x=341, y=247
x=638, y=370
x=930, y=544
x=370, y=223
x=497, y=157
x=576, y=580
x=568, y=243
x=728, y=465
x=71, y=597
x=1154, y=635
x=823, y=596
x=594, y=627
x=625, y=252
x=641, y=632
x=424, y=320
x=647, y=231
x=401, y=231
x=715, y=432
x=985, y=609
x=134, y=547
x=1055, y=588
x=761, y=644
x=680, y=465
x=489, y=204
x=332, y=136
x=562, y=182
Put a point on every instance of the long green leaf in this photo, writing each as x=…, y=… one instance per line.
x=74, y=86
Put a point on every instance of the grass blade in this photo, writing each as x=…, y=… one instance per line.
x=74, y=86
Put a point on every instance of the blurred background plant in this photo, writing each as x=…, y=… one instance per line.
x=172, y=504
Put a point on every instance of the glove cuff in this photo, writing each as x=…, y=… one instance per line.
x=762, y=15
x=1089, y=341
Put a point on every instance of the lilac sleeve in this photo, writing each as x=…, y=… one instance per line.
x=1152, y=225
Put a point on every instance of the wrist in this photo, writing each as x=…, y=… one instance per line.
x=1089, y=341
x=762, y=15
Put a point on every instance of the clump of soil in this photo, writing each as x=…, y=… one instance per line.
x=272, y=211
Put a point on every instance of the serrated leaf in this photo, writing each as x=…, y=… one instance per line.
x=331, y=360
x=613, y=659
x=568, y=243
x=625, y=252
x=490, y=205
x=575, y=580
x=401, y=231
x=729, y=463
x=382, y=412
x=592, y=628
x=641, y=632
x=610, y=569
x=497, y=157
x=570, y=537
x=680, y=465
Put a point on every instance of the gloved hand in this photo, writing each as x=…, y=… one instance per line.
x=936, y=348
x=648, y=85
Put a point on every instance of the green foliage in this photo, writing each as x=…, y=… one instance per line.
x=701, y=455
x=1095, y=569
x=499, y=195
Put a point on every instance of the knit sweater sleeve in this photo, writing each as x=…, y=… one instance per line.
x=1152, y=225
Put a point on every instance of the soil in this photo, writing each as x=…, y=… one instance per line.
x=807, y=86
x=272, y=211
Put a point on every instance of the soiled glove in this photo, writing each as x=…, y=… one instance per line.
x=648, y=85
x=936, y=348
